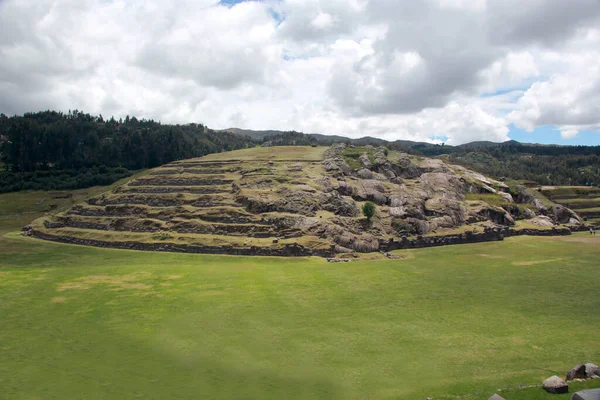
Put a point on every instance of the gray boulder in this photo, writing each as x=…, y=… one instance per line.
x=562, y=214
x=336, y=166
x=522, y=195
x=404, y=168
x=338, y=205
x=541, y=208
x=440, y=206
x=527, y=213
x=345, y=189
x=591, y=370
x=507, y=197
x=496, y=397
x=364, y=161
x=591, y=394
x=577, y=372
x=364, y=173
x=555, y=385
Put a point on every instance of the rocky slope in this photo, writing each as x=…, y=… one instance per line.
x=296, y=201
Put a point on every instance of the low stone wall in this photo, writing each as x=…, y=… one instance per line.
x=488, y=235
x=445, y=240
x=286, y=250
x=296, y=250
x=538, y=232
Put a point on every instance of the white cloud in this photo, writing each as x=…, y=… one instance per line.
x=569, y=100
x=394, y=69
x=569, y=133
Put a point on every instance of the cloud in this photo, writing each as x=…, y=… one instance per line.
x=569, y=133
x=569, y=100
x=394, y=69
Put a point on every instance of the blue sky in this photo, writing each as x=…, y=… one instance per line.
x=231, y=2
x=550, y=135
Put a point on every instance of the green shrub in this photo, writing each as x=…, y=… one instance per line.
x=368, y=210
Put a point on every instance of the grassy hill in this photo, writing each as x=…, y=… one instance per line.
x=296, y=200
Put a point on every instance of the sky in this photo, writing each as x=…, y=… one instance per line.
x=428, y=70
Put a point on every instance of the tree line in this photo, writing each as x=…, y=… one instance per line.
x=79, y=150
x=54, y=150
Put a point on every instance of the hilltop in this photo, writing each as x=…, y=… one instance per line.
x=301, y=201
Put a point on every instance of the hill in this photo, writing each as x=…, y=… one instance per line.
x=302, y=201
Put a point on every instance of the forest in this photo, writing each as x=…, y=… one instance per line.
x=544, y=164
x=52, y=150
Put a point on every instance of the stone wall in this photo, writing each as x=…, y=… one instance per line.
x=488, y=235
x=285, y=250
x=297, y=250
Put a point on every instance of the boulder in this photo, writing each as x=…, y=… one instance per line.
x=527, y=213
x=555, y=385
x=389, y=174
x=404, y=168
x=522, y=195
x=345, y=189
x=591, y=370
x=441, y=206
x=577, y=372
x=360, y=243
x=397, y=200
x=590, y=394
x=539, y=206
x=446, y=185
x=372, y=190
x=385, y=167
x=377, y=198
x=562, y=214
x=365, y=174
x=497, y=215
x=496, y=397
x=542, y=221
x=441, y=222
x=364, y=161
x=336, y=166
x=338, y=205
x=397, y=211
x=410, y=226
x=507, y=197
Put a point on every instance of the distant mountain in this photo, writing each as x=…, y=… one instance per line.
x=256, y=135
x=318, y=137
x=545, y=164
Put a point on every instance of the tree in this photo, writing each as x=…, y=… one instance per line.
x=368, y=210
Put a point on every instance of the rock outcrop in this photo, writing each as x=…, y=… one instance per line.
x=220, y=203
x=577, y=372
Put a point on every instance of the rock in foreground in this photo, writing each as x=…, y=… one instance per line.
x=592, y=394
x=555, y=385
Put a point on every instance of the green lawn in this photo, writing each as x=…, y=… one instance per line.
x=89, y=323
x=306, y=153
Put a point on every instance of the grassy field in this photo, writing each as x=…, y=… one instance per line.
x=306, y=153
x=449, y=322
